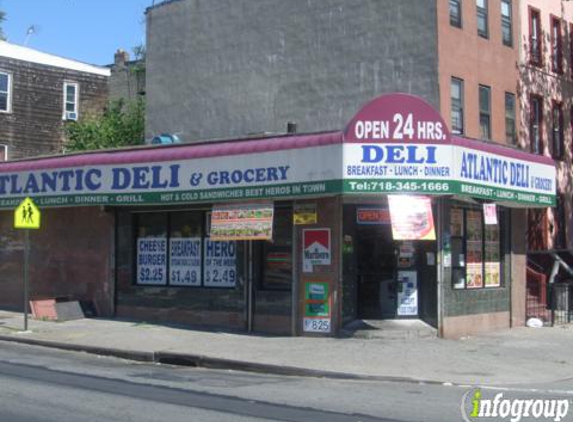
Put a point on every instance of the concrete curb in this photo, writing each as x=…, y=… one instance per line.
x=185, y=359
x=95, y=350
x=200, y=361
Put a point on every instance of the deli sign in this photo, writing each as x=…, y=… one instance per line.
x=398, y=143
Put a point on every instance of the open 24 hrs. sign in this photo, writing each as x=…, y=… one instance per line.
x=399, y=128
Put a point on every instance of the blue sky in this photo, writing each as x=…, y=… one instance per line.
x=85, y=30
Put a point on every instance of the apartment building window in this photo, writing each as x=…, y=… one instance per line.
x=482, y=18
x=536, y=124
x=485, y=111
x=457, y=100
x=506, y=23
x=5, y=92
x=556, y=45
x=71, y=95
x=456, y=13
x=557, y=130
x=535, y=37
x=510, y=132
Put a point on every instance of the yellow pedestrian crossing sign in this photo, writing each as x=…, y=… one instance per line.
x=27, y=215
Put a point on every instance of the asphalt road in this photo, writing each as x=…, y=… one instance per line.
x=39, y=384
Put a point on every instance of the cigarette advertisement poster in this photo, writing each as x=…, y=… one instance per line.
x=411, y=217
x=317, y=318
x=316, y=248
x=242, y=222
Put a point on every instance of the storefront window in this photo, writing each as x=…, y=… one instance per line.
x=476, y=250
x=172, y=249
x=474, y=242
x=492, y=256
x=277, y=255
x=458, y=248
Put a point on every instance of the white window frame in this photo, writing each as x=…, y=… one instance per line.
x=9, y=99
x=483, y=12
x=507, y=22
x=457, y=104
x=65, y=113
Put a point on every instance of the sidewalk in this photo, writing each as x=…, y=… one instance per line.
x=518, y=356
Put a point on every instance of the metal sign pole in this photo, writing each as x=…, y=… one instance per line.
x=27, y=216
x=26, y=265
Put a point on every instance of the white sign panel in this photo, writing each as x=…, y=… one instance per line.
x=316, y=325
x=220, y=263
x=407, y=293
x=503, y=178
x=294, y=172
x=490, y=214
x=152, y=260
x=424, y=167
x=185, y=261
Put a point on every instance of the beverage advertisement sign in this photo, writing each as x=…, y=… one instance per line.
x=317, y=307
x=411, y=217
x=242, y=222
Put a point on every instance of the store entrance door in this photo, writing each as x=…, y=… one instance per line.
x=377, y=282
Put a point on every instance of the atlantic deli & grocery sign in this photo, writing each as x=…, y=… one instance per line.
x=399, y=143
x=395, y=144
x=277, y=173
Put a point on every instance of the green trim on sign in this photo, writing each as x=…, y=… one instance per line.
x=348, y=186
x=425, y=186
x=502, y=194
x=448, y=187
x=180, y=197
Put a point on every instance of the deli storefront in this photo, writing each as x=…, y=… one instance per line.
x=296, y=235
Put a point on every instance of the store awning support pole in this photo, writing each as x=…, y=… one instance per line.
x=250, y=289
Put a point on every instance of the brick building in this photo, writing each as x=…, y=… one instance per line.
x=235, y=67
x=39, y=93
x=236, y=78
x=546, y=89
x=305, y=238
x=127, y=78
